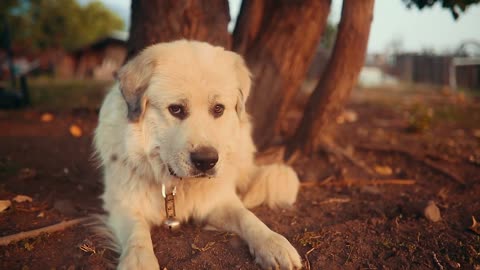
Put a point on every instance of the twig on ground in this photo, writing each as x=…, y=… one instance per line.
x=307, y=261
x=392, y=182
x=335, y=200
x=440, y=266
x=419, y=158
x=208, y=246
x=311, y=183
x=5, y=240
x=360, y=182
x=443, y=171
x=293, y=157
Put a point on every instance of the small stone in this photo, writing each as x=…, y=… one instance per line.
x=22, y=198
x=350, y=116
x=383, y=170
x=432, y=212
x=46, y=117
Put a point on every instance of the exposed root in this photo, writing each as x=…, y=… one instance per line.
x=359, y=182
x=335, y=200
x=419, y=158
x=5, y=240
x=330, y=146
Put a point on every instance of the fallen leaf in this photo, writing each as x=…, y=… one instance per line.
x=475, y=226
x=76, y=131
x=4, y=205
x=22, y=198
x=432, y=212
x=350, y=116
x=476, y=133
x=383, y=170
x=46, y=117
x=28, y=246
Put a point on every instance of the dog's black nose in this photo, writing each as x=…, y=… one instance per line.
x=204, y=158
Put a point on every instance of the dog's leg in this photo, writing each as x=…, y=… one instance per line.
x=271, y=250
x=133, y=233
x=275, y=185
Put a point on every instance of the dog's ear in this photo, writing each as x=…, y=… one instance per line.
x=245, y=82
x=133, y=79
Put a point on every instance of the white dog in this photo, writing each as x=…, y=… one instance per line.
x=176, y=120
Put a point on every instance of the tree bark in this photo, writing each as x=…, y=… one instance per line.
x=338, y=79
x=154, y=21
x=249, y=22
x=279, y=39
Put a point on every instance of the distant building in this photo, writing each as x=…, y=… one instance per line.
x=465, y=72
x=95, y=61
x=422, y=68
x=459, y=70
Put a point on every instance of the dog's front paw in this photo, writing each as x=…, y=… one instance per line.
x=138, y=258
x=275, y=252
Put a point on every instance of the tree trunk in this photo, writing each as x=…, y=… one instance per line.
x=280, y=38
x=154, y=21
x=248, y=23
x=338, y=79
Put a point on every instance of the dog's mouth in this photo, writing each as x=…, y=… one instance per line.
x=197, y=175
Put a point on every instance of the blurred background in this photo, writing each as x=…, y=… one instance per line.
x=376, y=104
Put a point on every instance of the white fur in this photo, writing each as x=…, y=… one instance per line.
x=135, y=155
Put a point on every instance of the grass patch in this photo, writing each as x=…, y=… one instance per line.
x=53, y=94
x=465, y=116
x=8, y=168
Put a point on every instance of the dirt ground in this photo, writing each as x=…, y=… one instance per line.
x=361, y=205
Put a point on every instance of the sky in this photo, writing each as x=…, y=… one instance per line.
x=432, y=29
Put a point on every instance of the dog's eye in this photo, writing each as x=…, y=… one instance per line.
x=218, y=110
x=177, y=111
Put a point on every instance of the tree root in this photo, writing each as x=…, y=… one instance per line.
x=360, y=182
x=419, y=158
x=5, y=240
x=331, y=147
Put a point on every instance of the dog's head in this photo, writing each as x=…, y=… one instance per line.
x=186, y=105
